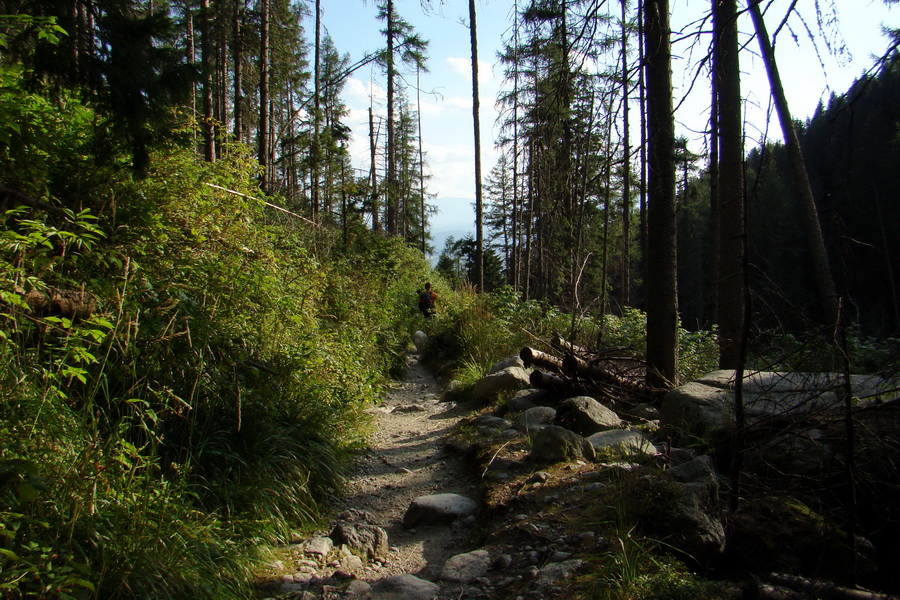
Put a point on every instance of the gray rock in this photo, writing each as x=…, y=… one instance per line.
x=696, y=410
x=409, y=408
x=539, y=477
x=704, y=408
x=696, y=526
x=554, y=444
x=420, y=339
x=357, y=588
x=319, y=546
x=535, y=418
x=585, y=416
x=362, y=537
x=509, y=379
x=646, y=412
x=509, y=361
x=529, y=398
x=467, y=567
x=436, y=509
x=404, y=587
x=628, y=443
x=492, y=422
x=351, y=563
x=557, y=571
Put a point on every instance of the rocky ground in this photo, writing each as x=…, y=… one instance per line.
x=407, y=458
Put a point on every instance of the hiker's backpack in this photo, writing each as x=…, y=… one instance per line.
x=426, y=302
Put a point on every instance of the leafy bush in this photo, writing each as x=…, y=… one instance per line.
x=208, y=399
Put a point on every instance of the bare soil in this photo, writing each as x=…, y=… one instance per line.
x=408, y=457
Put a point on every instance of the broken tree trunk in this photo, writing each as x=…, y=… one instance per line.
x=535, y=358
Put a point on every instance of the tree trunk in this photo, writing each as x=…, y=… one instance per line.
x=421, y=159
x=476, y=121
x=376, y=210
x=711, y=279
x=799, y=177
x=315, y=151
x=238, y=57
x=731, y=182
x=209, y=140
x=263, y=131
x=391, y=183
x=626, y=169
x=662, y=303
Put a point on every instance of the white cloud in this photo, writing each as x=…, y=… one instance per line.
x=463, y=66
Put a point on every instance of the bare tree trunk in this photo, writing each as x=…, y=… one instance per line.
x=391, y=183
x=662, y=297
x=626, y=168
x=263, y=131
x=476, y=121
x=711, y=281
x=316, y=151
x=238, y=57
x=421, y=157
x=376, y=220
x=642, y=99
x=731, y=182
x=209, y=140
x=799, y=176
x=818, y=253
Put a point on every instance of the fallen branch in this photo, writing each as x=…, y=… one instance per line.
x=825, y=590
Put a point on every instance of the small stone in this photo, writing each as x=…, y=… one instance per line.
x=464, y=568
x=504, y=561
x=539, y=477
x=319, y=546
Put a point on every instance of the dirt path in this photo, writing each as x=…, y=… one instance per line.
x=408, y=458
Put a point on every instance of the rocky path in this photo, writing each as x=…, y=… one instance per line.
x=407, y=459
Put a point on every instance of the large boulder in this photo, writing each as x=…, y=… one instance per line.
x=696, y=410
x=554, y=444
x=535, y=418
x=705, y=408
x=585, y=416
x=509, y=361
x=506, y=380
x=438, y=509
x=695, y=525
x=623, y=441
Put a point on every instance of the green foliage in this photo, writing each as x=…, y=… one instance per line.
x=207, y=399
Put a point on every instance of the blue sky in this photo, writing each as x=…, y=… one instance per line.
x=448, y=141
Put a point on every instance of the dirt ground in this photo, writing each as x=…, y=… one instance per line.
x=407, y=458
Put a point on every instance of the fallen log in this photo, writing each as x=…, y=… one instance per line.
x=535, y=358
x=74, y=304
x=578, y=367
x=826, y=590
x=547, y=381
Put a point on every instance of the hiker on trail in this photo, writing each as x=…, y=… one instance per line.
x=426, y=301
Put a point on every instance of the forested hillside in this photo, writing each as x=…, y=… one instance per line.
x=851, y=149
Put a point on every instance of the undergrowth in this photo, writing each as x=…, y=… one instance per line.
x=182, y=375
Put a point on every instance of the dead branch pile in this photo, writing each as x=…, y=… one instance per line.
x=609, y=375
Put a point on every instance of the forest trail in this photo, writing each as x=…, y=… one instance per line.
x=406, y=458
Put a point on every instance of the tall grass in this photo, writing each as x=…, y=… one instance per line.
x=209, y=402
